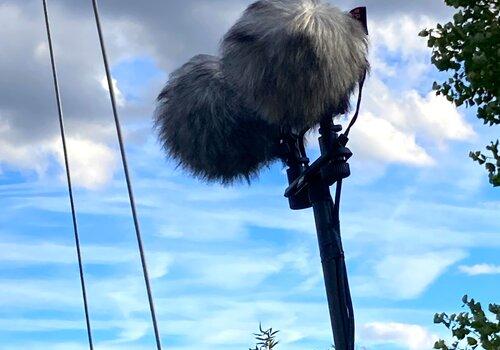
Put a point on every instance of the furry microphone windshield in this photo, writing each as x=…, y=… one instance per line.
x=295, y=61
x=203, y=125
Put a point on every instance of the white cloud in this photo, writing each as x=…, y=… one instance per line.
x=38, y=294
x=20, y=157
x=159, y=264
x=437, y=117
x=37, y=253
x=29, y=157
x=399, y=124
x=405, y=276
x=400, y=35
x=92, y=163
x=403, y=127
x=47, y=344
x=41, y=51
x=480, y=269
x=28, y=117
x=120, y=99
x=411, y=337
x=432, y=116
x=132, y=330
x=245, y=269
x=377, y=139
x=43, y=345
x=226, y=222
x=398, y=52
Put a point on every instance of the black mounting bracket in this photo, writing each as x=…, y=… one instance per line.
x=330, y=167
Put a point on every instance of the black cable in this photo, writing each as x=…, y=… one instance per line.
x=127, y=175
x=358, y=105
x=342, y=273
x=68, y=173
x=350, y=308
x=336, y=208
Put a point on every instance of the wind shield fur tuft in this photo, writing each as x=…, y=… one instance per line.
x=295, y=60
x=204, y=126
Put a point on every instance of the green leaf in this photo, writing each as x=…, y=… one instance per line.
x=490, y=167
x=471, y=341
x=424, y=33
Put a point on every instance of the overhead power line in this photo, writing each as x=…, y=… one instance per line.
x=127, y=176
x=68, y=173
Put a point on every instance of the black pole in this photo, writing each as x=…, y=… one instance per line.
x=309, y=186
x=332, y=260
x=326, y=216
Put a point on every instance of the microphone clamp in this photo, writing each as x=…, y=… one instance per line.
x=330, y=167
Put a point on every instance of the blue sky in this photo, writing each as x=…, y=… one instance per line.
x=420, y=222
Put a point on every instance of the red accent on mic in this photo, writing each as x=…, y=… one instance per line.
x=360, y=14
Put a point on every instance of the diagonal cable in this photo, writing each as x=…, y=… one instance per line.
x=68, y=173
x=127, y=176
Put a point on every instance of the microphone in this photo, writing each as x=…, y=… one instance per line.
x=204, y=126
x=284, y=66
x=295, y=61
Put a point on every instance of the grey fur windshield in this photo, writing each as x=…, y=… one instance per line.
x=284, y=65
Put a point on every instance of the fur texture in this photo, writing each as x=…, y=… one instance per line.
x=295, y=60
x=203, y=125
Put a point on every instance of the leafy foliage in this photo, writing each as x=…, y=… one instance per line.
x=266, y=339
x=492, y=168
x=471, y=330
x=469, y=47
